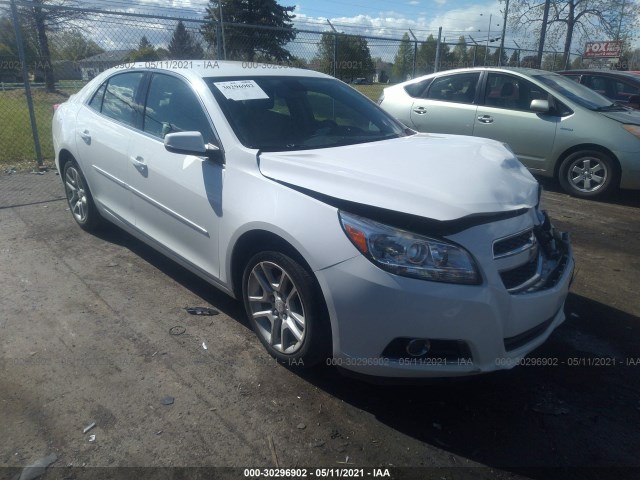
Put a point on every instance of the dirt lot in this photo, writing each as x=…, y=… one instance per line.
x=85, y=327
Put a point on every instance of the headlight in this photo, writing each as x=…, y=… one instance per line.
x=409, y=254
x=632, y=129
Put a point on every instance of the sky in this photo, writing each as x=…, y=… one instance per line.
x=385, y=18
x=477, y=20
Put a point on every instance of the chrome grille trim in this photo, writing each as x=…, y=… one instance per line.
x=522, y=241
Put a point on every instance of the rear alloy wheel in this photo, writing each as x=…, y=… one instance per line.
x=79, y=197
x=587, y=174
x=284, y=307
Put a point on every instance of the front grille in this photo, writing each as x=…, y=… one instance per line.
x=519, y=275
x=522, y=339
x=510, y=245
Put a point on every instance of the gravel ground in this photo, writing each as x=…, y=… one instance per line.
x=86, y=336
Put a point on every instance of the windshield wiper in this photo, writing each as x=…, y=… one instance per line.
x=614, y=107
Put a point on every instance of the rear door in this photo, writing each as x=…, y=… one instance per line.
x=505, y=115
x=177, y=198
x=448, y=105
x=103, y=132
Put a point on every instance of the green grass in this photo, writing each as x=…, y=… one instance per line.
x=372, y=91
x=16, y=140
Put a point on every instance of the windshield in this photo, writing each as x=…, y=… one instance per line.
x=296, y=113
x=574, y=91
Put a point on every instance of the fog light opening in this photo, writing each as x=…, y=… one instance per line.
x=418, y=347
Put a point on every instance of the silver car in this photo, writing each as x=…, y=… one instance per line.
x=555, y=126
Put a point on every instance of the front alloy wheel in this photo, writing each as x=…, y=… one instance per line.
x=286, y=310
x=276, y=307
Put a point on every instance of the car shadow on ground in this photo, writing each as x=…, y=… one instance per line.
x=192, y=282
x=578, y=417
x=628, y=198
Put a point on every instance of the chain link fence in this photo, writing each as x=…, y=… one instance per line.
x=81, y=43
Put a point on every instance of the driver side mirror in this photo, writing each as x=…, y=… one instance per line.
x=192, y=143
x=539, y=106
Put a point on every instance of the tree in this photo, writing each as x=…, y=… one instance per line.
x=427, y=55
x=403, y=62
x=8, y=45
x=352, y=55
x=553, y=62
x=514, y=60
x=460, y=54
x=183, y=46
x=569, y=19
x=243, y=43
x=73, y=45
x=146, y=52
x=40, y=18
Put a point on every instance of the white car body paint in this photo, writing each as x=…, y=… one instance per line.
x=195, y=210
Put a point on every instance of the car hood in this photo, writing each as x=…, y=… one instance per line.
x=629, y=116
x=440, y=177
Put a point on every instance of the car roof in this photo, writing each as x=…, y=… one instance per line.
x=607, y=73
x=518, y=70
x=220, y=68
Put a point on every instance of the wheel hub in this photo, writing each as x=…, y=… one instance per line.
x=280, y=306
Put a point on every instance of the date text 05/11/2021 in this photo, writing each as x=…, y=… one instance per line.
x=316, y=473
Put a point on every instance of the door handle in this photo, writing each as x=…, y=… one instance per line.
x=85, y=136
x=420, y=110
x=138, y=162
x=485, y=119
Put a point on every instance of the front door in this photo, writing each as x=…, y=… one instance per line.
x=505, y=115
x=177, y=198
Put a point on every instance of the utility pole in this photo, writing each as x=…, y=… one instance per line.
x=415, y=53
x=504, y=31
x=437, y=60
x=224, y=45
x=543, y=31
x=475, y=50
x=486, y=50
x=335, y=48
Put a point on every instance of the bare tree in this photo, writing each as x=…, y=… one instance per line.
x=571, y=19
x=43, y=17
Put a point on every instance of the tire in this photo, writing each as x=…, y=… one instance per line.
x=79, y=198
x=588, y=174
x=286, y=309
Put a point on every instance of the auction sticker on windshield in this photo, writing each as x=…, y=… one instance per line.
x=241, y=90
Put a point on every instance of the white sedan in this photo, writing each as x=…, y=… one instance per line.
x=351, y=239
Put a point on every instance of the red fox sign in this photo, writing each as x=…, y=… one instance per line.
x=602, y=49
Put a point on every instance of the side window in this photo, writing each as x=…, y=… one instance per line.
x=417, y=89
x=506, y=91
x=173, y=107
x=575, y=78
x=459, y=88
x=96, y=101
x=624, y=91
x=120, y=98
x=600, y=85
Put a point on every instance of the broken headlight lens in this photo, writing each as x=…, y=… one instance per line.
x=409, y=254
